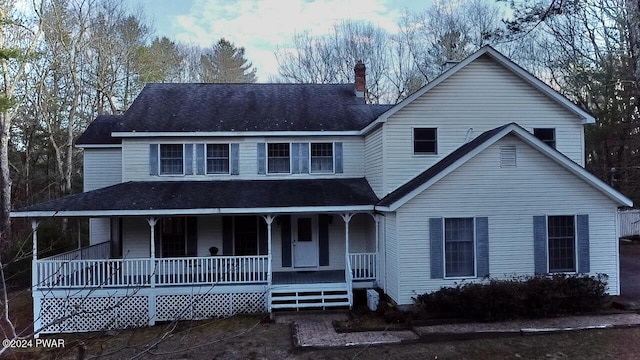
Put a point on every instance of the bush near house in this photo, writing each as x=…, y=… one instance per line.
x=519, y=297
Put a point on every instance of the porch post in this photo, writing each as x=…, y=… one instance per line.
x=347, y=218
x=269, y=220
x=34, y=263
x=152, y=256
x=348, y=276
x=37, y=321
x=376, y=218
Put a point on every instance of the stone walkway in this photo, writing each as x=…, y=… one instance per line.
x=316, y=329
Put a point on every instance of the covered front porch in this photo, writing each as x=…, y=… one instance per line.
x=311, y=251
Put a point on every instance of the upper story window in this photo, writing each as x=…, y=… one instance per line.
x=562, y=243
x=171, y=159
x=548, y=136
x=217, y=158
x=321, y=157
x=278, y=158
x=459, y=258
x=425, y=141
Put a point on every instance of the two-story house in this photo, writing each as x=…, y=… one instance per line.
x=211, y=199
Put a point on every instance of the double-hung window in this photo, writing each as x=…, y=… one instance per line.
x=278, y=158
x=547, y=135
x=459, y=246
x=217, y=158
x=171, y=159
x=425, y=141
x=321, y=157
x=562, y=243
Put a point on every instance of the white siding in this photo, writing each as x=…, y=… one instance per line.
x=509, y=197
x=99, y=230
x=136, y=238
x=391, y=272
x=136, y=158
x=209, y=234
x=373, y=169
x=102, y=167
x=482, y=96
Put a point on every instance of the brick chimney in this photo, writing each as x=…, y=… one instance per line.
x=361, y=79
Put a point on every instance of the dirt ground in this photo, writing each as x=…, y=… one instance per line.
x=254, y=337
x=247, y=338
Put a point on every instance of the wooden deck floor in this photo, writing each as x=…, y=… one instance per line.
x=308, y=277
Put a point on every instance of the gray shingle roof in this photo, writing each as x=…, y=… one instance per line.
x=99, y=131
x=238, y=107
x=171, y=195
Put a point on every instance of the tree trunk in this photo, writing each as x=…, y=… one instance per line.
x=633, y=15
x=5, y=181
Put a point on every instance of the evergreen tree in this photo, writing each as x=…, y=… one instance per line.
x=225, y=63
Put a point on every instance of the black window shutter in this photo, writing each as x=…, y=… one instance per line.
x=262, y=158
x=323, y=238
x=188, y=159
x=540, y=244
x=482, y=246
x=200, y=150
x=338, y=155
x=436, y=243
x=153, y=159
x=285, y=228
x=192, y=236
x=235, y=159
x=584, y=263
x=227, y=235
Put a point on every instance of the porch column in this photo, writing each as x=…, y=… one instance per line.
x=152, y=256
x=348, y=275
x=34, y=263
x=376, y=218
x=37, y=302
x=347, y=218
x=269, y=220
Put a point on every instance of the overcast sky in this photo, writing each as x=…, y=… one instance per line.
x=260, y=26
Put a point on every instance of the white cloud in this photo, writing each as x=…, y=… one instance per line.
x=261, y=26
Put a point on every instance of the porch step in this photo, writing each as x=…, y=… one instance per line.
x=305, y=296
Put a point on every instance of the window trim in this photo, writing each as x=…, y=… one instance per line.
x=555, y=135
x=161, y=237
x=333, y=155
x=267, y=172
x=413, y=141
x=206, y=167
x=575, y=244
x=444, y=252
x=184, y=165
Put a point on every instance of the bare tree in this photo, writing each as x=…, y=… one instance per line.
x=18, y=41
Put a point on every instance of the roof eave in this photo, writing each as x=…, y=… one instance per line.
x=583, y=115
x=203, y=211
x=526, y=136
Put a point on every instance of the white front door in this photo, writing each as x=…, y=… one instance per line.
x=305, y=241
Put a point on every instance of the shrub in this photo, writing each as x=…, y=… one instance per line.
x=520, y=297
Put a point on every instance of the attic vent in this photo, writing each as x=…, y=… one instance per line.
x=508, y=156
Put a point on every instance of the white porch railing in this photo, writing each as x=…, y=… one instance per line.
x=364, y=266
x=145, y=272
x=97, y=251
x=348, y=276
x=215, y=269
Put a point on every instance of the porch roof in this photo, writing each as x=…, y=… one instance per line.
x=211, y=197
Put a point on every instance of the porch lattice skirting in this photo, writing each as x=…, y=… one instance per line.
x=69, y=311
